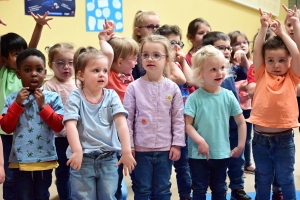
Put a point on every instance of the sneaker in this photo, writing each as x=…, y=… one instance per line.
x=277, y=195
x=250, y=169
x=239, y=194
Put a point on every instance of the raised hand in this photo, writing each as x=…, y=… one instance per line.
x=275, y=26
x=265, y=18
x=104, y=35
x=2, y=22
x=291, y=15
x=42, y=20
x=109, y=27
x=239, y=56
x=40, y=98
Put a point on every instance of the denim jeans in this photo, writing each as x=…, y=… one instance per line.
x=97, y=177
x=247, y=151
x=274, y=155
x=212, y=171
x=235, y=169
x=9, y=192
x=152, y=175
x=183, y=177
x=32, y=184
x=62, y=173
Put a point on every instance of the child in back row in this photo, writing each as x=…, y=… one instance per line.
x=156, y=126
x=60, y=60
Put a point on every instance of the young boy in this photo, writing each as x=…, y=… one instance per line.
x=235, y=170
x=33, y=114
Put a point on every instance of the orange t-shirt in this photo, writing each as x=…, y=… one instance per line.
x=274, y=103
x=119, y=83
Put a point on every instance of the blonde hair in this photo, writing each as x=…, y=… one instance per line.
x=123, y=47
x=138, y=21
x=57, y=48
x=167, y=46
x=82, y=57
x=201, y=58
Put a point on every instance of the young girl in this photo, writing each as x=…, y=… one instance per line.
x=156, y=126
x=60, y=60
x=209, y=147
x=95, y=122
x=277, y=78
x=240, y=55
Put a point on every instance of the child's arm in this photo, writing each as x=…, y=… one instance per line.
x=105, y=47
x=180, y=58
x=176, y=74
x=293, y=16
x=123, y=133
x=241, y=59
x=203, y=147
x=241, y=123
x=258, y=58
x=2, y=172
x=2, y=22
x=73, y=139
x=40, y=22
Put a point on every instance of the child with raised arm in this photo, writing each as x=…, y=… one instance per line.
x=11, y=45
x=277, y=72
x=32, y=115
x=95, y=122
x=156, y=126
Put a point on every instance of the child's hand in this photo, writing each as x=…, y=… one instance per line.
x=41, y=20
x=236, y=152
x=128, y=163
x=133, y=152
x=2, y=22
x=291, y=15
x=105, y=36
x=22, y=96
x=265, y=18
x=40, y=98
x=276, y=27
x=239, y=56
x=175, y=153
x=109, y=26
x=2, y=174
x=179, y=55
x=75, y=161
x=203, y=149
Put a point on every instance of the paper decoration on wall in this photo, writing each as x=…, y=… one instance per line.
x=98, y=10
x=65, y=8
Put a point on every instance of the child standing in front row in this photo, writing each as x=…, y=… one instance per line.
x=60, y=60
x=209, y=147
x=155, y=121
x=33, y=115
x=274, y=109
x=95, y=122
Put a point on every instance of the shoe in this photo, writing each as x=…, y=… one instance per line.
x=250, y=169
x=239, y=194
x=277, y=195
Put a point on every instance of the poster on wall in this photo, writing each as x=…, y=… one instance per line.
x=99, y=10
x=64, y=8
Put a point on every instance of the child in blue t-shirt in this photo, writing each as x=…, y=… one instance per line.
x=207, y=112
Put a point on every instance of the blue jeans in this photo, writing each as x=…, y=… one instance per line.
x=183, y=177
x=212, y=171
x=274, y=155
x=235, y=169
x=32, y=184
x=152, y=175
x=9, y=192
x=247, y=151
x=97, y=177
x=62, y=173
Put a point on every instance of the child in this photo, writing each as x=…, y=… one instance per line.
x=11, y=45
x=33, y=114
x=60, y=60
x=182, y=168
x=235, y=172
x=95, y=122
x=156, y=126
x=240, y=55
x=209, y=148
x=277, y=78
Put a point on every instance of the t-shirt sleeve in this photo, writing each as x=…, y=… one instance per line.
x=72, y=106
x=235, y=108
x=116, y=104
x=250, y=75
x=56, y=104
x=295, y=79
x=190, y=106
x=259, y=72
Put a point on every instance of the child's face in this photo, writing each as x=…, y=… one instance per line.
x=289, y=29
x=149, y=25
x=224, y=47
x=197, y=39
x=10, y=62
x=128, y=64
x=62, y=66
x=32, y=72
x=154, y=58
x=241, y=44
x=95, y=77
x=277, y=61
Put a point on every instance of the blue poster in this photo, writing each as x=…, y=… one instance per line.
x=98, y=10
x=64, y=8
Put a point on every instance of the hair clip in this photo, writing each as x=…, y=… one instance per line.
x=203, y=53
x=48, y=48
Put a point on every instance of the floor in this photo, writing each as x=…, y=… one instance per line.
x=249, y=179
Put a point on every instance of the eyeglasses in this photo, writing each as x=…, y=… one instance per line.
x=223, y=48
x=239, y=44
x=61, y=64
x=150, y=27
x=154, y=57
x=179, y=43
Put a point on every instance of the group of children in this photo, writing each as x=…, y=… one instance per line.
x=140, y=106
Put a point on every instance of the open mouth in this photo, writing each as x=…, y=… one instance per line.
x=218, y=79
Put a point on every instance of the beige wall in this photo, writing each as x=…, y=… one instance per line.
x=223, y=15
